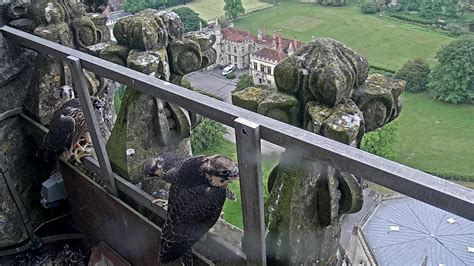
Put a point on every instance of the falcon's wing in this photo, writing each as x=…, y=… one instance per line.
x=58, y=140
x=192, y=212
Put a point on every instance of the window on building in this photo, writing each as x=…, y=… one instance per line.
x=235, y=49
x=262, y=68
x=269, y=70
x=235, y=59
x=269, y=81
x=255, y=66
x=243, y=49
x=228, y=48
x=230, y=58
x=259, y=80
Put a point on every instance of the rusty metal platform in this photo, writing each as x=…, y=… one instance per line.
x=106, y=218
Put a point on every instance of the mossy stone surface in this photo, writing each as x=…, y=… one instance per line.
x=250, y=98
x=185, y=56
x=280, y=106
x=115, y=53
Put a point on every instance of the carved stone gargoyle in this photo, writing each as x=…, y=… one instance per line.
x=323, y=88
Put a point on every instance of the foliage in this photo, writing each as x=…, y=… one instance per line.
x=416, y=73
x=118, y=97
x=452, y=80
x=455, y=30
x=245, y=81
x=430, y=9
x=138, y=5
x=191, y=20
x=207, y=134
x=381, y=141
x=230, y=75
x=368, y=8
x=233, y=8
x=386, y=43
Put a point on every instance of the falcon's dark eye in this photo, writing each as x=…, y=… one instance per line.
x=224, y=173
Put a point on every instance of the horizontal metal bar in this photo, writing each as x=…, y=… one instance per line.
x=411, y=182
x=10, y=113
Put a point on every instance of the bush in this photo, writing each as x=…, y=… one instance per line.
x=452, y=80
x=414, y=19
x=368, y=8
x=381, y=141
x=245, y=81
x=190, y=19
x=455, y=30
x=230, y=76
x=207, y=134
x=139, y=5
x=416, y=73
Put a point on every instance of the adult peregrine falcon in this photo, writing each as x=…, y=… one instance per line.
x=195, y=203
x=67, y=126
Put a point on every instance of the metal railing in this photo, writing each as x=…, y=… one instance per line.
x=250, y=128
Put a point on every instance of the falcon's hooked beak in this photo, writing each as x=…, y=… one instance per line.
x=153, y=167
x=234, y=174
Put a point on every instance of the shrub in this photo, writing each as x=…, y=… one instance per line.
x=190, y=19
x=368, y=8
x=416, y=73
x=245, y=81
x=138, y=5
x=452, y=80
x=381, y=141
x=207, y=134
x=230, y=76
x=455, y=30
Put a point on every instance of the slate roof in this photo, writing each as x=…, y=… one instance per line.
x=425, y=233
x=271, y=54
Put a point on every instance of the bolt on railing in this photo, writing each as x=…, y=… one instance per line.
x=250, y=129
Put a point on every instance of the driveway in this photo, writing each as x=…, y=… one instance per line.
x=212, y=82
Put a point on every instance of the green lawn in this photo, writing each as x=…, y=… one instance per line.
x=386, y=42
x=211, y=9
x=436, y=137
x=233, y=209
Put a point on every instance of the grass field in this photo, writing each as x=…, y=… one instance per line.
x=233, y=209
x=211, y=9
x=386, y=42
x=436, y=137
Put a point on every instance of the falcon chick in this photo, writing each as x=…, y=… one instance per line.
x=67, y=126
x=195, y=203
x=165, y=167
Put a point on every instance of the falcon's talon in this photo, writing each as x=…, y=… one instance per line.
x=162, y=201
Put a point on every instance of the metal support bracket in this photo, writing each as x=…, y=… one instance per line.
x=10, y=113
x=249, y=154
x=79, y=81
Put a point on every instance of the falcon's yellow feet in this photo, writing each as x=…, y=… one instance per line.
x=81, y=151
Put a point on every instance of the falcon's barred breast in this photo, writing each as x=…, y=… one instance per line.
x=195, y=203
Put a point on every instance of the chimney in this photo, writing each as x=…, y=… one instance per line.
x=295, y=44
x=259, y=35
x=280, y=41
x=291, y=50
x=274, y=40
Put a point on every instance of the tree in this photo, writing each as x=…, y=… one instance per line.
x=233, y=8
x=138, y=5
x=191, y=20
x=452, y=80
x=207, y=134
x=245, y=81
x=381, y=141
x=416, y=73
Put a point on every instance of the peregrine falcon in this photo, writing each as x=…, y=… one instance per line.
x=195, y=203
x=67, y=126
x=165, y=167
